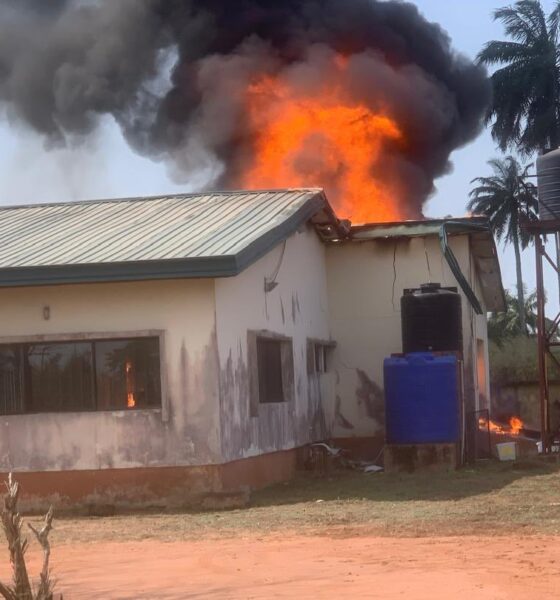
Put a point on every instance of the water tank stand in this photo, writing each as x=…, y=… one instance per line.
x=545, y=336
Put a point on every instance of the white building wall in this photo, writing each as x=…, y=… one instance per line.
x=348, y=293
x=365, y=284
x=480, y=324
x=296, y=308
x=186, y=432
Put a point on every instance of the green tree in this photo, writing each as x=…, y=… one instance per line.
x=507, y=198
x=506, y=325
x=525, y=111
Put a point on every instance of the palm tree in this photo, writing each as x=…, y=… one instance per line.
x=506, y=325
x=525, y=110
x=507, y=198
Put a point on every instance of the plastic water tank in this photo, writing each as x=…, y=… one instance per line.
x=421, y=399
x=431, y=319
x=548, y=178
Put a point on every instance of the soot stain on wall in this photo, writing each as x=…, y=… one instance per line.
x=276, y=426
x=340, y=419
x=371, y=396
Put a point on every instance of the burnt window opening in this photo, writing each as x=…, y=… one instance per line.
x=271, y=369
x=79, y=376
x=269, y=359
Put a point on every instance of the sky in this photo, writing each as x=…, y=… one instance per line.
x=105, y=166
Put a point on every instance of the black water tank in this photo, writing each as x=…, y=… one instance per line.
x=548, y=177
x=431, y=319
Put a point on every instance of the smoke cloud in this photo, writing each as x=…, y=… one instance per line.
x=66, y=63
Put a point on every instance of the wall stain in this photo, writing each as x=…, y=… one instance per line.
x=371, y=396
x=340, y=419
x=275, y=426
x=120, y=439
x=316, y=420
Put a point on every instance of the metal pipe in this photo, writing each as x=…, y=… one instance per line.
x=542, y=345
x=557, y=240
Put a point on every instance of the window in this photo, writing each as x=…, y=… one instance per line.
x=80, y=376
x=318, y=356
x=269, y=357
x=11, y=380
x=271, y=369
x=57, y=377
x=127, y=373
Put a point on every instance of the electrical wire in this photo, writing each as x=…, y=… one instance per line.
x=272, y=278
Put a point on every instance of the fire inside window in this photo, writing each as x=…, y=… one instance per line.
x=130, y=401
x=120, y=374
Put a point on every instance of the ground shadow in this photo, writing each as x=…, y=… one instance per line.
x=483, y=478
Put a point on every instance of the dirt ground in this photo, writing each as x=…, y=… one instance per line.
x=488, y=533
x=300, y=567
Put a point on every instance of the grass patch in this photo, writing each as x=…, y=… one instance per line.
x=489, y=499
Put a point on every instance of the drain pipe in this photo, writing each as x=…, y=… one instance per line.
x=461, y=227
x=448, y=228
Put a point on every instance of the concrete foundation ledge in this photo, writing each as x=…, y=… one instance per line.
x=108, y=491
x=409, y=458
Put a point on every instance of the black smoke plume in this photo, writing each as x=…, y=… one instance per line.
x=65, y=63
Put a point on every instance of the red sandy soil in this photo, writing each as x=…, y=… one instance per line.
x=292, y=566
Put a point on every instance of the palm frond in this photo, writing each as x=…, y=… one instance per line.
x=525, y=109
x=524, y=21
x=498, y=52
x=554, y=22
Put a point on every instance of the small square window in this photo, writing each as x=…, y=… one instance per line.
x=271, y=369
x=318, y=356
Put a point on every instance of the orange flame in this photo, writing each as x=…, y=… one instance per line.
x=130, y=400
x=326, y=140
x=514, y=428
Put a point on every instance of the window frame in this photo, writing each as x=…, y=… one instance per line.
x=319, y=365
x=288, y=369
x=101, y=336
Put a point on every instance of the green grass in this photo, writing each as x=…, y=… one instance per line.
x=492, y=499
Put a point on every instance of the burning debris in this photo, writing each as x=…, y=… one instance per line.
x=362, y=97
x=513, y=428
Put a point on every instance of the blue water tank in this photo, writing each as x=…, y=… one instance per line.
x=421, y=399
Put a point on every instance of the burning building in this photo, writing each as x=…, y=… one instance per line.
x=193, y=343
x=178, y=346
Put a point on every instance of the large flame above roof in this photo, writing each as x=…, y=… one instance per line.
x=327, y=139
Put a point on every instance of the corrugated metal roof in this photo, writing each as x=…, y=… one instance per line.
x=208, y=234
